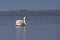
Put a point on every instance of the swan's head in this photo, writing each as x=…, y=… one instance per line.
x=24, y=18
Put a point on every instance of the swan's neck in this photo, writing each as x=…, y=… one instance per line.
x=24, y=19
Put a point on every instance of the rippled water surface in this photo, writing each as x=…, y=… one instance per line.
x=40, y=26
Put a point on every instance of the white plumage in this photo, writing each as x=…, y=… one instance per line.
x=21, y=22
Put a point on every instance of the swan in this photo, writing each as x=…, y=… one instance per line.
x=21, y=22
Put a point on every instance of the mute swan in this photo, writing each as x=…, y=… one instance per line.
x=21, y=22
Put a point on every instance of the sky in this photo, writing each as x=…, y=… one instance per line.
x=29, y=4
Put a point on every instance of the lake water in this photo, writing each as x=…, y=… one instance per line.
x=40, y=26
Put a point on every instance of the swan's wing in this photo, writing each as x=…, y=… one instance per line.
x=19, y=22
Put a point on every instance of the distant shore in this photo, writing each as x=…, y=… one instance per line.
x=12, y=11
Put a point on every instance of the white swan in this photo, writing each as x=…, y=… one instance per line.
x=21, y=22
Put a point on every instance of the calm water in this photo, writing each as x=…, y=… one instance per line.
x=40, y=26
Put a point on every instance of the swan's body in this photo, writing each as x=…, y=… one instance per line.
x=21, y=22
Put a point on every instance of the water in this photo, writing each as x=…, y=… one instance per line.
x=40, y=26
